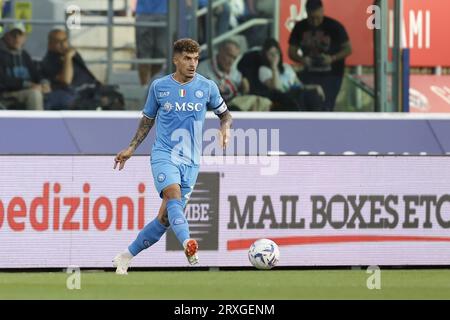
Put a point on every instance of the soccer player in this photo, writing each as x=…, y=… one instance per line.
x=177, y=103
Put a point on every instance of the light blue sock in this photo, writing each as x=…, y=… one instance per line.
x=148, y=236
x=177, y=220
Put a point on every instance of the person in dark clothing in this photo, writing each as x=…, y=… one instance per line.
x=19, y=78
x=74, y=86
x=321, y=44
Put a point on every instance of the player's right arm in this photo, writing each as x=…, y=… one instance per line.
x=145, y=125
x=144, y=128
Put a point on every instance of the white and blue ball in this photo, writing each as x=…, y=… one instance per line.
x=264, y=254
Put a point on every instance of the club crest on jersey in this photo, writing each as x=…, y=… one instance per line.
x=161, y=177
x=199, y=94
x=182, y=93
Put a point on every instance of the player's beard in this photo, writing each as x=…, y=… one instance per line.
x=189, y=74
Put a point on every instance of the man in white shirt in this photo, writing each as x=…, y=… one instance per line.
x=223, y=72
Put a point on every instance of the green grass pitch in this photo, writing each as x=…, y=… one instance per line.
x=208, y=285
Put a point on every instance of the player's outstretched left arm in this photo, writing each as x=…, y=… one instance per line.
x=225, y=124
x=144, y=128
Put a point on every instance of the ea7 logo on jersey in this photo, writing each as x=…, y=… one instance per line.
x=188, y=106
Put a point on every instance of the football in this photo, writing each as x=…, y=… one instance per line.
x=264, y=254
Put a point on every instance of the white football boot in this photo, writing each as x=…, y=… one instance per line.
x=190, y=250
x=121, y=262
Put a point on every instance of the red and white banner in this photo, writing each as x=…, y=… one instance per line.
x=429, y=94
x=57, y=211
x=425, y=28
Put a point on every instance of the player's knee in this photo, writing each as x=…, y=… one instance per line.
x=172, y=192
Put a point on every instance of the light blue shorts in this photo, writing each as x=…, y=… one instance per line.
x=166, y=173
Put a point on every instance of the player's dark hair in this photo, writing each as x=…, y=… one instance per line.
x=186, y=45
x=312, y=5
x=269, y=44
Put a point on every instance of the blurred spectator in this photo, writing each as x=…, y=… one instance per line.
x=74, y=86
x=220, y=69
x=233, y=87
x=257, y=9
x=260, y=8
x=19, y=78
x=222, y=17
x=237, y=11
x=151, y=42
x=287, y=92
x=221, y=14
x=249, y=65
x=321, y=44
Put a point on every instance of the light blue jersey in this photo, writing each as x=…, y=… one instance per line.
x=180, y=111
